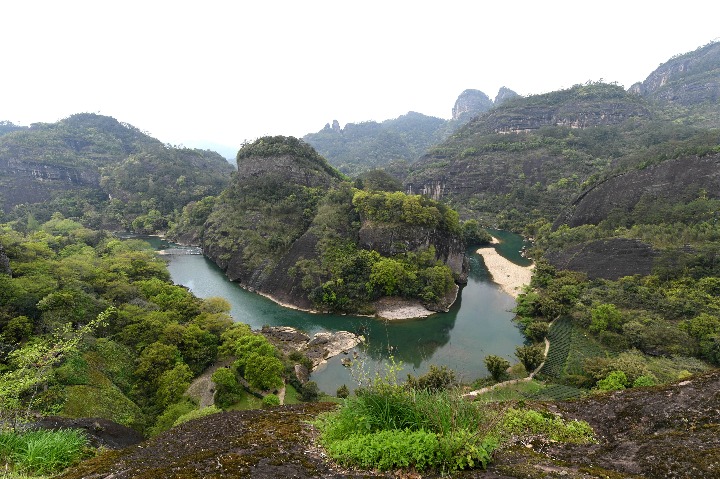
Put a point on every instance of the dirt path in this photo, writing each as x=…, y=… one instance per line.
x=202, y=389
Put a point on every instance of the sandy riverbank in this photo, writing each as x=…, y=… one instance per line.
x=399, y=308
x=510, y=276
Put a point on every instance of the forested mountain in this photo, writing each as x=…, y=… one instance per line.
x=101, y=170
x=396, y=143
x=292, y=227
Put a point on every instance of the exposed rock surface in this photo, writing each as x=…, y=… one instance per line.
x=607, y=259
x=689, y=79
x=101, y=432
x=390, y=239
x=470, y=103
x=320, y=347
x=679, y=180
x=503, y=95
x=660, y=432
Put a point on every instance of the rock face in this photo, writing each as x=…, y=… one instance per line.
x=390, y=240
x=679, y=180
x=320, y=347
x=470, y=103
x=657, y=433
x=503, y=95
x=689, y=79
x=607, y=259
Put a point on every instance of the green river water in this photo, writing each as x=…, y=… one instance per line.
x=478, y=324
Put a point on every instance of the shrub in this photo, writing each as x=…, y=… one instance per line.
x=496, y=366
x=310, y=392
x=342, y=392
x=644, y=381
x=614, y=381
x=537, y=330
x=270, y=400
x=436, y=379
x=531, y=422
x=530, y=356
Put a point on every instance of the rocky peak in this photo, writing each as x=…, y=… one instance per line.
x=471, y=103
x=689, y=79
x=504, y=94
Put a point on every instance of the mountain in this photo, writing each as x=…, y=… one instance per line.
x=101, y=170
x=527, y=157
x=292, y=227
x=393, y=144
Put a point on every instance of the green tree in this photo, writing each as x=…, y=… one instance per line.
x=530, y=356
x=227, y=388
x=172, y=384
x=264, y=372
x=605, y=317
x=497, y=366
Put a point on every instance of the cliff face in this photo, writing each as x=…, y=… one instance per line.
x=607, y=259
x=689, y=79
x=470, y=103
x=675, y=181
x=527, y=157
x=389, y=240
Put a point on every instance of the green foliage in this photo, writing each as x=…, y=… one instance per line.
x=496, y=366
x=413, y=210
x=264, y=372
x=342, y=392
x=473, y=235
x=614, y=381
x=270, y=400
x=530, y=422
x=536, y=331
x=644, y=381
x=227, y=387
x=604, y=317
x=310, y=392
x=171, y=415
x=195, y=414
x=436, y=379
x=42, y=452
x=530, y=356
x=385, y=450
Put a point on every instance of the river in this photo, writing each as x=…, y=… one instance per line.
x=478, y=324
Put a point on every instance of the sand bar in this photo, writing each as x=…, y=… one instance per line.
x=510, y=276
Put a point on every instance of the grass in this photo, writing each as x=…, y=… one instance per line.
x=247, y=401
x=42, y=452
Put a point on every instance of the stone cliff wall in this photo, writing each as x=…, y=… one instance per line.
x=678, y=180
x=607, y=259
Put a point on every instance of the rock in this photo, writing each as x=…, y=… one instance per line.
x=608, y=259
x=321, y=346
x=470, y=103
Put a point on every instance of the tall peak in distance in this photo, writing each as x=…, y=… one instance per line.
x=471, y=103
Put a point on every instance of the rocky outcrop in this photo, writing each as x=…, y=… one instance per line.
x=676, y=181
x=470, y=103
x=689, y=79
x=504, y=94
x=607, y=259
x=391, y=239
x=321, y=347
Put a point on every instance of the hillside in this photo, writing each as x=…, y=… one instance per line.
x=649, y=433
x=396, y=143
x=104, y=172
x=288, y=211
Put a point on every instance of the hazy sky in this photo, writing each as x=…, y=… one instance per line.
x=222, y=72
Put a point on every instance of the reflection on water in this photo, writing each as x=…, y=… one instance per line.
x=478, y=324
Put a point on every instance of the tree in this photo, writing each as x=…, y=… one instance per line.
x=605, y=317
x=496, y=366
x=310, y=392
x=264, y=372
x=172, y=384
x=530, y=356
x=227, y=388
x=342, y=392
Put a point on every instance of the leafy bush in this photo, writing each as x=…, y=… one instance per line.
x=531, y=422
x=530, y=356
x=496, y=366
x=270, y=400
x=436, y=379
x=614, y=381
x=342, y=392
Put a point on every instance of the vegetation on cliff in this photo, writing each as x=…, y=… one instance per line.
x=104, y=173
x=343, y=247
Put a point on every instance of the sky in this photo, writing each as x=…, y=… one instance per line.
x=214, y=74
